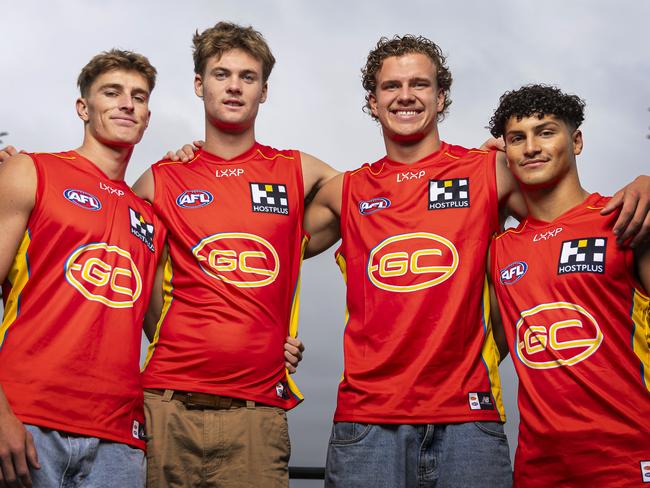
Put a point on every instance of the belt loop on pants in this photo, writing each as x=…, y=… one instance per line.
x=250, y=405
x=167, y=395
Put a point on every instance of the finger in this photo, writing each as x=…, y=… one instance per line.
x=22, y=470
x=613, y=203
x=294, y=341
x=290, y=367
x=627, y=213
x=294, y=356
x=643, y=233
x=171, y=155
x=186, y=152
x=30, y=450
x=8, y=472
x=198, y=143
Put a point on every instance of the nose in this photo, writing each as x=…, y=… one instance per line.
x=405, y=95
x=234, y=85
x=126, y=102
x=532, y=147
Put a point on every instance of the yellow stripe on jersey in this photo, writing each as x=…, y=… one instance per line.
x=275, y=156
x=369, y=168
x=490, y=353
x=18, y=276
x=340, y=260
x=640, y=315
x=293, y=320
x=168, y=274
x=60, y=156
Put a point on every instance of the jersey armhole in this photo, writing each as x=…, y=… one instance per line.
x=300, y=183
x=493, y=196
x=41, y=188
x=343, y=221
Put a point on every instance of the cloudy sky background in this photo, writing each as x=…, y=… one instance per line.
x=596, y=49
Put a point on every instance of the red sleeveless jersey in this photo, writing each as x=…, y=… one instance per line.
x=577, y=324
x=231, y=284
x=75, y=298
x=418, y=346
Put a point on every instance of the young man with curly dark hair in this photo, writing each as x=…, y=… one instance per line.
x=420, y=398
x=575, y=308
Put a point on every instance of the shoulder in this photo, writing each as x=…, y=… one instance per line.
x=268, y=152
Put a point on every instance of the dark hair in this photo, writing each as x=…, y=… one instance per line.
x=399, y=46
x=225, y=36
x=537, y=100
x=112, y=60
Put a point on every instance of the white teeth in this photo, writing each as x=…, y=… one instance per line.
x=406, y=112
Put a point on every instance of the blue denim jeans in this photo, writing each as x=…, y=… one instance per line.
x=69, y=461
x=467, y=455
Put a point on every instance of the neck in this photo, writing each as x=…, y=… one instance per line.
x=227, y=145
x=112, y=160
x=548, y=203
x=409, y=151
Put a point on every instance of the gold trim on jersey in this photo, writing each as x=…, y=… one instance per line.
x=490, y=353
x=275, y=156
x=168, y=274
x=340, y=260
x=293, y=320
x=18, y=276
x=640, y=314
x=369, y=168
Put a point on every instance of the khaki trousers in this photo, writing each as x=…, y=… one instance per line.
x=237, y=447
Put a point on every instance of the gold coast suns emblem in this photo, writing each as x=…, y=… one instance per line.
x=556, y=334
x=411, y=262
x=243, y=260
x=104, y=273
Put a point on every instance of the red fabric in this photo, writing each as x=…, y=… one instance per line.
x=584, y=406
x=219, y=336
x=413, y=342
x=70, y=359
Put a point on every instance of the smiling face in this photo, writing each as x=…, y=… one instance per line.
x=116, y=108
x=541, y=151
x=232, y=89
x=407, y=99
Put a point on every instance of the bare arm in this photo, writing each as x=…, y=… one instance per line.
x=322, y=217
x=145, y=186
x=315, y=173
x=642, y=258
x=495, y=317
x=152, y=316
x=17, y=197
x=634, y=220
x=511, y=201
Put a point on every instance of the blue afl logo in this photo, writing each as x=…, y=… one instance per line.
x=373, y=205
x=194, y=199
x=513, y=272
x=83, y=199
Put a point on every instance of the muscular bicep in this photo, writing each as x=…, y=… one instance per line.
x=322, y=217
x=17, y=197
x=144, y=187
x=315, y=174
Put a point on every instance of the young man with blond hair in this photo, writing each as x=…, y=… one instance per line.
x=216, y=387
x=575, y=308
x=77, y=260
x=420, y=398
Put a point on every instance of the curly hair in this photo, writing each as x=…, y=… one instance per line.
x=537, y=100
x=112, y=60
x=225, y=36
x=399, y=46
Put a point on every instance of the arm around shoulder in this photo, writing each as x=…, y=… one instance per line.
x=323, y=215
x=315, y=174
x=145, y=186
x=511, y=201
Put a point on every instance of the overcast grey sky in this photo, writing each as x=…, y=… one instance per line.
x=596, y=49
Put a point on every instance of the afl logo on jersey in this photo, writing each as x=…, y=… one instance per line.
x=237, y=258
x=194, y=199
x=104, y=273
x=367, y=207
x=411, y=262
x=556, y=334
x=83, y=199
x=513, y=272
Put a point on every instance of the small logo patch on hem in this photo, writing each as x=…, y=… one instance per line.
x=645, y=471
x=137, y=431
x=480, y=400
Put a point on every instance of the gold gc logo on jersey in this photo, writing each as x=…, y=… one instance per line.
x=243, y=260
x=104, y=273
x=411, y=262
x=556, y=334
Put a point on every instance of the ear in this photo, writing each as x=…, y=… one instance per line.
x=372, y=102
x=440, y=102
x=265, y=92
x=577, y=141
x=146, y=122
x=82, y=108
x=198, y=85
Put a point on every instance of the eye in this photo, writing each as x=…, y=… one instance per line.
x=515, y=139
x=249, y=77
x=110, y=93
x=140, y=98
x=220, y=75
x=547, y=133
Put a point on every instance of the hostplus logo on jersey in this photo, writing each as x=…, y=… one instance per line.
x=83, y=199
x=585, y=255
x=270, y=198
x=194, y=199
x=142, y=229
x=367, y=207
x=450, y=193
